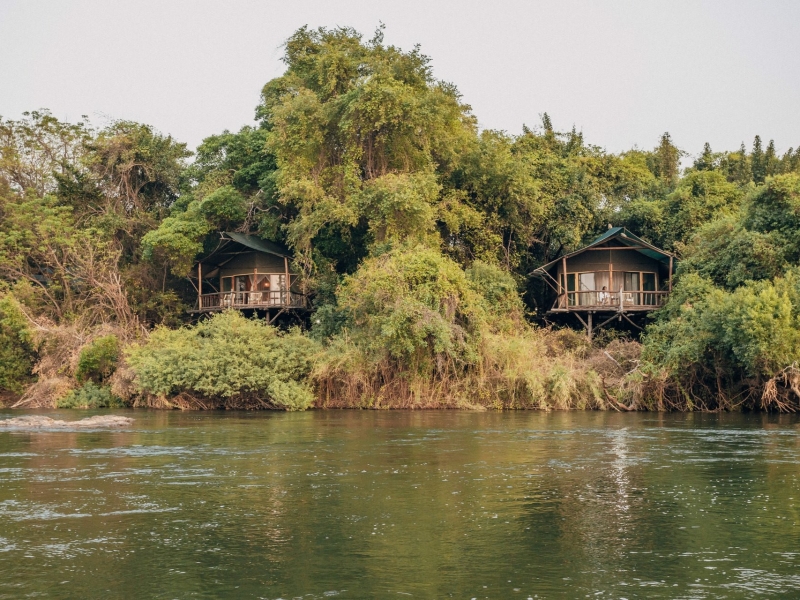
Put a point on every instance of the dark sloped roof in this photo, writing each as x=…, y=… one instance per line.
x=256, y=243
x=625, y=238
x=232, y=244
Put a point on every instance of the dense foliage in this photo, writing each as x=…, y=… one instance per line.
x=415, y=234
x=730, y=334
x=17, y=351
x=90, y=396
x=228, y=357
x=98, y=359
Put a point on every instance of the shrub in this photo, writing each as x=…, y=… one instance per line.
x=90, y=396
x=709, y=345
x=98, y=361
x=421, y=332
x=415, y=307
x=228, y=358
x=17, y=352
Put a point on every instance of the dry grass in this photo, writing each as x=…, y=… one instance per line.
x=59, y=349
x=536, y=369
x=544, y=369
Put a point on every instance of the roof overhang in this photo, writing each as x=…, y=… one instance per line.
x=233, y=244
x=624, y=238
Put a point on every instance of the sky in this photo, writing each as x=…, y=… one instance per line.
x=622, y=72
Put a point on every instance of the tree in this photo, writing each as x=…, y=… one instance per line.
x=38, y=148
x=706, y=160
x=771, y=161
x=666, y=160
x=75, y=204
x=757, y=161
x=698, y=198
x=346, y=113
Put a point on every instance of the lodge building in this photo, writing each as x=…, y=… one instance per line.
x=248, y=273
x=618, y=276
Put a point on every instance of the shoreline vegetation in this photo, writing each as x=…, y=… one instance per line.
x=413, y=234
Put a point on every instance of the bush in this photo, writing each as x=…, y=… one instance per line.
x=17, y=352
x=414, y=306
x=228, y=358
x=709, y=345
x=98, y=361
x=422, y=332
x=90, y=396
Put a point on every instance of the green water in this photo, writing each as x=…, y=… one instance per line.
x=352, y=504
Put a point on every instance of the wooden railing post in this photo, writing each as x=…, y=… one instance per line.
x=199, y=285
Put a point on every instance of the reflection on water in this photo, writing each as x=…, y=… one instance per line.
x=403, y=504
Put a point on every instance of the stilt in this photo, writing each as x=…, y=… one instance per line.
x=632, y=323
x=608, y=320
x=277, y=314
x=589, y=327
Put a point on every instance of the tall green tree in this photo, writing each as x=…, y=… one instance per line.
x=347, y=113
x=666, y=159
x=757, y=161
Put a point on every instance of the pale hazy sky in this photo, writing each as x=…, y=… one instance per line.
x=623, y=72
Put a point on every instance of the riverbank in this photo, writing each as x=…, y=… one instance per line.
x=548, y=369
x=229, y=361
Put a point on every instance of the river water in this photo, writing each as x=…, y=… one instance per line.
x=368, y=504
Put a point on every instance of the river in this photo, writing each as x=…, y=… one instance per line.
x=369, y=504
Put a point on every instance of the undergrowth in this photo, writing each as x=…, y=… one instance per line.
x=90, y=396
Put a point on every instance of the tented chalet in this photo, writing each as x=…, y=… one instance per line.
x=247, y=272
x=617, y=276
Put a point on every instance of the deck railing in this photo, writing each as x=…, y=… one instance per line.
x=262, y=300
x=606, y=300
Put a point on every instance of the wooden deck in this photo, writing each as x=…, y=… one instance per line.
x=608, y=306
x=266, y=301
x=600, y=301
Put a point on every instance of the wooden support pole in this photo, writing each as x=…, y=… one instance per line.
x=608, y=320
x=199, y=285
x=277, y=314
x=670, y=273
x=566, y=287
x=610, y=277
x=589, y=327
x=288, y=283
x=632, y=323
